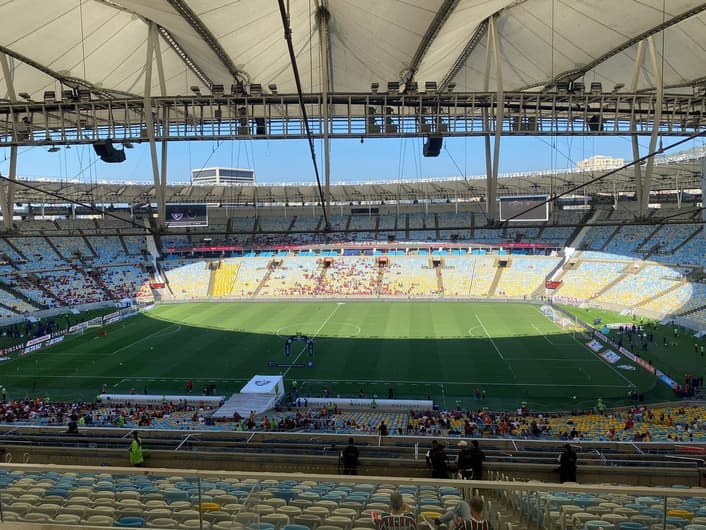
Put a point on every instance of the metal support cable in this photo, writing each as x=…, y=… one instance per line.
x=300, y=94
x=72, y=201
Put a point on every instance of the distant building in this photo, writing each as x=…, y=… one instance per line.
x=222, y=176
x=600, y=162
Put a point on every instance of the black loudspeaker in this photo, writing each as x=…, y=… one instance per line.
x=260, y=128
x=108, y=153
x=432, y=147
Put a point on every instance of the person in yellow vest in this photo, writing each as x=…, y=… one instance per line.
x=136, y=456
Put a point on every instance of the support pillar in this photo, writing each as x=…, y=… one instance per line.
x=323, y=16
x=633, y=132
x=656, y=61
x=491, y=165
x=159, y=178
x=7, y=187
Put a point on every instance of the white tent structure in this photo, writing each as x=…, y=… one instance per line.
x=91, y=71
x=102, y=44
x=260, y=394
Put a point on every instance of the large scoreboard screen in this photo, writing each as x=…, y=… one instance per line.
x=182, y=215
x=524, y=208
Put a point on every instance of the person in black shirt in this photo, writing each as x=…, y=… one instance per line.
x=567, y=465
x=436, y=458
x=476, y=457
x=350, y=455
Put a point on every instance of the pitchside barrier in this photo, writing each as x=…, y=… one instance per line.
x=156, y=399
x=371, y=404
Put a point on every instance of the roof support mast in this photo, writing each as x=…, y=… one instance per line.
x=491, y=165
x=160, y=180
x=633, y=132
x=323, y=16
x=646, y=184
x=703, y=194
x=643, y=179
x=7, y=188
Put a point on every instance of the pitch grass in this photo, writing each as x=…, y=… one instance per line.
x=418, y=349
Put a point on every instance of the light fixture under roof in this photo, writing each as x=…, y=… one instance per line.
x=53, y=149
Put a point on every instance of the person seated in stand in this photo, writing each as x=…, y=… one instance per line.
x=399, y=515
x=464, y=516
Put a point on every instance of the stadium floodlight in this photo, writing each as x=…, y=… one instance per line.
x=578, y=87
x=217, y=90
x=393, y=86
x=255, y=89
x=272, y=87
x=53, y=149
x=451, y=86
x=196, y=90
x=24, y=95
x=430, y=86
x=616, y=87
x=596, y=87
x=374, y=87
x=49, y=96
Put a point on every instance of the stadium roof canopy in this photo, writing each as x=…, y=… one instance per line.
x=87, y=71
x=102, y=44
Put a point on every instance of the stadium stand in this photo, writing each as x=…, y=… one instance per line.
x=274, y=224
x=251, y=273
x=410, y=277
x=350, y=276
x=524, y=276
x=187, y=278
x=460, y=221
x=296, y=276
x=72, y=287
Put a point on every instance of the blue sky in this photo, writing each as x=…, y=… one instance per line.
x=277, y=161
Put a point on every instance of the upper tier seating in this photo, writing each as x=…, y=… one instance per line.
x=524, y=276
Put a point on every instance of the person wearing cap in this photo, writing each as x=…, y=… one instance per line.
x=463, y=461
x=567, y=464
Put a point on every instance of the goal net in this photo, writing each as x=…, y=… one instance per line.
x=556, y=317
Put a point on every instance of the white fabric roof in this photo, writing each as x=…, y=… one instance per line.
x=104, y=42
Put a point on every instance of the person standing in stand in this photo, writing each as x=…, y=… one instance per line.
x=476, y=457
x=437, y=460
x=567, y=464
x=350, y=455
x=136, y=455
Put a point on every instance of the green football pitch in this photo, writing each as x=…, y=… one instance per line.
x=446, y=351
